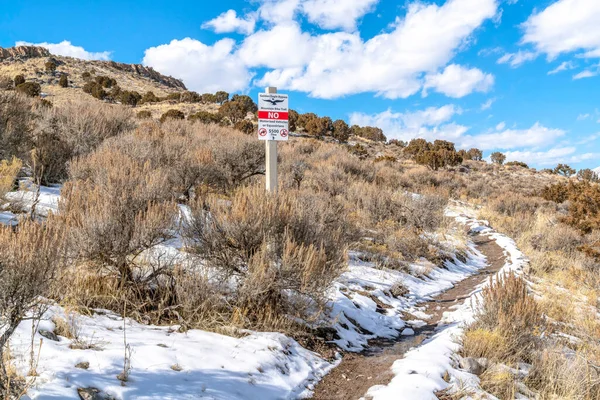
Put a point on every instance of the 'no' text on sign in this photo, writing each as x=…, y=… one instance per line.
x=273, y=114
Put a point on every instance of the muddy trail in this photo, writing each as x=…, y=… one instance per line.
x=359, y=371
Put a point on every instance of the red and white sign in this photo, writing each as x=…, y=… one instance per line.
x=273, y=114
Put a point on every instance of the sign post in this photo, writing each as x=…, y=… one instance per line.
x=273, y=126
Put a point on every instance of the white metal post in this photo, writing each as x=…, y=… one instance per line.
x=271, y=157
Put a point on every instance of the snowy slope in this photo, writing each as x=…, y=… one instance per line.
x=420, y=373
x=257, y=366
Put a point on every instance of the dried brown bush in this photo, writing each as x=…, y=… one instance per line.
x=29, y=260
x=8, y=175
x=116, y=208
x=284, y=251
x=508, y=309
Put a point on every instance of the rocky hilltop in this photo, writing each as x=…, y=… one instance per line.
x=23, y=53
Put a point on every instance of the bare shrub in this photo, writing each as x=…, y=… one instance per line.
x=29, y=260
x=116, y=208
x=15, y=125
x=507, y=308
x=283, y=250
x=8, y=175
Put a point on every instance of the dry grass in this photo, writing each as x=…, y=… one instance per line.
x=8, y=175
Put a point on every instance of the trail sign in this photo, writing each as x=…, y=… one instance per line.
x=273, y=123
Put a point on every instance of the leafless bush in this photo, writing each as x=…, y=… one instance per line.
x=507, y=308
x=283, y=250
x=8, y=175
x=15, y=125
x=29, y=260
x=116, y=208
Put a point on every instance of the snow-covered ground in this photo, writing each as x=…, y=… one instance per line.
x=167, y=364
x=420, y=373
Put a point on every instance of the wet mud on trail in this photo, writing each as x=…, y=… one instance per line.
x=358, y=372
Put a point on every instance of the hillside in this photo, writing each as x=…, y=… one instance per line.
x=142, y=258
x=30, y=61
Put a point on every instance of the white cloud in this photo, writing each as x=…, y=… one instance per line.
x=583, y=117
x=536, y=136
x=65, y=48
x=487, y=105
x=332, y=14
x=389, y=64
x=518, y=58
x=278, y=11
x=203, y=68
x=553, y=156
x=585, y=74
x=283, y=46
x=331, y=65
x=565, y=26
x=431, y=123
x=500, y=126
x=564, y=66
x=229, y=22
x=456, y=81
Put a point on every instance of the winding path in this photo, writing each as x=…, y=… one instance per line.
x=358, y=372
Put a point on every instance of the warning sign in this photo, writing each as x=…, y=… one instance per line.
x=273, y=116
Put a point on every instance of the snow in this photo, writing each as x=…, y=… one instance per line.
x=213, y=366
x=259, y=365
x=420, y=373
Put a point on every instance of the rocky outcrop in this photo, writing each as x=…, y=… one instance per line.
x=23, y=52
x=149, y=73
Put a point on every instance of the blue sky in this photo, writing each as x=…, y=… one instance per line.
x=516, y=76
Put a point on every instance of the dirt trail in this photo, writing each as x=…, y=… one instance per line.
x=359, y=371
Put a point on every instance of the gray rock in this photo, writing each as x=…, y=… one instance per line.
x=82, y=365
x=49, y=335
x=92, y=393
x=472, y=365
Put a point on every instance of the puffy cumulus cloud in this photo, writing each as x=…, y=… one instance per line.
x=283, y=46
x=518, y=58
x=505, y=139
x=333, y=14
x=431, y=123
x=552, y=156
x=278, y=11
x=203, y=68
x=487, y=105
x=456, y=81
x=335, y=64
x=67, y=49
x=565, y=26
x=389, y=64
x=230, y=22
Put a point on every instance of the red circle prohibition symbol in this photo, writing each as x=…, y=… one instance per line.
x=262, y=132
x=283, y=133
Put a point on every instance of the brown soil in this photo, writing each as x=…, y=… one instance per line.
x=359, y=371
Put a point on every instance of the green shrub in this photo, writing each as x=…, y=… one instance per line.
x=50, y=66
x=206, y=117
x=245, y=126
x=95, y=89
x=517, y=164
x=150, y=97
x=498, y=158
x=63, y=81
x=19, y=79
x=144, y=114
x=172, y=114
x=31, y=89
x=130, y=98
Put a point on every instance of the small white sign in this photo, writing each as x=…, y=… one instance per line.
x=273, y=120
